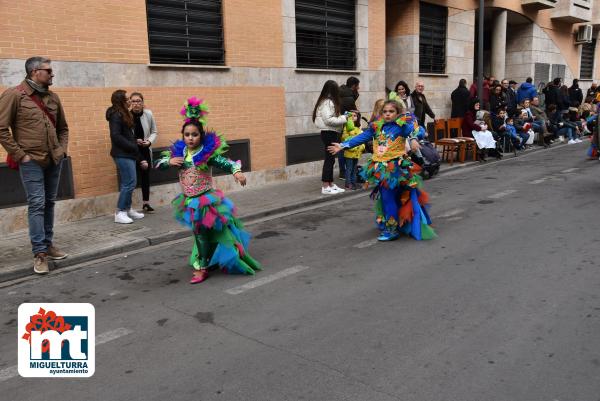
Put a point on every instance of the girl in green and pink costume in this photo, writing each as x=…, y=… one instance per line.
x=219, y=237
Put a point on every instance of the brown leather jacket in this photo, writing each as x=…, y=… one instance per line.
x=25, y=128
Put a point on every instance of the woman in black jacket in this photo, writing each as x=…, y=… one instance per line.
x=498, y=100
x=125, y=153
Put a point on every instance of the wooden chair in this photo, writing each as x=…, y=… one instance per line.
x=455, y=131
x=450, y=146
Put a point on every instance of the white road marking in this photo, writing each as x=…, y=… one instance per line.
x=570, y=170
x=366, y=244
x=266, y=280
x=539, y=180
x=103, y=338
x=112, y=335
x=502, y=194
x=449, y=213
x=9, y=373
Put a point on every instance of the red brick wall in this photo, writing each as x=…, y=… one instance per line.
x=253, y=33
x=255, y=113
x=376, y=33
x=84, y=30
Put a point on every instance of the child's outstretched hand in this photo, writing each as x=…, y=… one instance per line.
x=334, y=148
x=176, y=161
x=240, y=178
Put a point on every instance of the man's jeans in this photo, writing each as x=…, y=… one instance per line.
x=127, y=175
x=41, y=187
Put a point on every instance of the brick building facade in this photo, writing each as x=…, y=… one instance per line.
x=263, y=91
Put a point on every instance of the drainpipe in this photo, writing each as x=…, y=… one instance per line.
x=480, y=52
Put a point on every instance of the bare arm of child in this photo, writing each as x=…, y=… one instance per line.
x=240, y=178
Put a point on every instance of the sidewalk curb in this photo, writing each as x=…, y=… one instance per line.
x=26, y=269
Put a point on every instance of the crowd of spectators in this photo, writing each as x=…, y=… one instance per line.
x=522, y=115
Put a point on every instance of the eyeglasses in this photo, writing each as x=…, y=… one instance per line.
x=136, y=101
x=48, y=70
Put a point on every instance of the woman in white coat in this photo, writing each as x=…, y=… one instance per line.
x=327, y=117
x=145, y=134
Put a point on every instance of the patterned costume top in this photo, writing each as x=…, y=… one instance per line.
x=388, y=166
x=194, y=174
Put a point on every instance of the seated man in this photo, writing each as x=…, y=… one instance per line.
x=537, y=126
x=541, y=117
x=522, y=128
x=562, y=128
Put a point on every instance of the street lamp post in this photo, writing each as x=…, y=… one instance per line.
x=480, y=52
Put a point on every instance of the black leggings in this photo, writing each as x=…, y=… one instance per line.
x=144, y=175
x=328, y=137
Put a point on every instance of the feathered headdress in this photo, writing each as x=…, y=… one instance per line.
x=195, y=109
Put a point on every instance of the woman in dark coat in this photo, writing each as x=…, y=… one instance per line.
x=460, y=99
x=125, y=153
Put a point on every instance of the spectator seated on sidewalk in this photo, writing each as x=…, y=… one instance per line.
x=523, y=129
x=542, y=119
x=536, y=126
x=574, y=118
x=560, y=127
x=474, y=126
x=499, y=127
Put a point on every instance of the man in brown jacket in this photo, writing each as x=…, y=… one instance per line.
x=34, y=132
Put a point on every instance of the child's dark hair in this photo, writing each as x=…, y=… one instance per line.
x=196, y=124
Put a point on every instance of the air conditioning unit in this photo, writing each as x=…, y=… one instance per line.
x=584, y=34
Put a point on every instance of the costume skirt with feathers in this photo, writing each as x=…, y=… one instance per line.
x=400, y=202
x=211, y=217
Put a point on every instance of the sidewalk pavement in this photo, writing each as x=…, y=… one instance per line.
x=91, y=239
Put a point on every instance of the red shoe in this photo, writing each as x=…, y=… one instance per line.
x=199, y=276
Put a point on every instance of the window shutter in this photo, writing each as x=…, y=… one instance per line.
x=185, y=32
x=433, y=21
x=325, y=34
x=587, y=60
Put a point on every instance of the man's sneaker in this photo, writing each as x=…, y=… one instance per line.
x=56, y=254
x=327, y=191
x=40, y=264
x=561, y=139
x=336, y=189
x=135, y=214
x=122, y=218
x=571, y=142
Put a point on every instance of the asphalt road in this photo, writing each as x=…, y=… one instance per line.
x=504, y=305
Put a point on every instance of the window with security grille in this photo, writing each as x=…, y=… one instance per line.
x=325, y=34
x=433, y=21
x=587, y=60
x=185, y=32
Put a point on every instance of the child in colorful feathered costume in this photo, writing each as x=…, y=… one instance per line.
x=401, y=204
x=219, y=238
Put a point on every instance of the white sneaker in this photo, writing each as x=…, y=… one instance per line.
x=336, y=189
x=122, y=218
x=135, y=214
x=327, y=191
x=571, y=142
x=578, y=140
x=561, y=139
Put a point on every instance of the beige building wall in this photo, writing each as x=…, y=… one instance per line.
x=541, y=40
x=258, y=95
